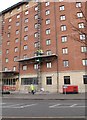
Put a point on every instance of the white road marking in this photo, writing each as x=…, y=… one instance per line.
x=25, y=106
x=73, y=105
x=54, y=105
x=9, y=106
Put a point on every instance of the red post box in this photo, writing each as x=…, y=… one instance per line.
x=70, y=89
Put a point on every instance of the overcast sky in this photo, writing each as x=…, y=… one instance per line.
x=7, y=3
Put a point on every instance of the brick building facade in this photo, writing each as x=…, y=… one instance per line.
x=38, y=45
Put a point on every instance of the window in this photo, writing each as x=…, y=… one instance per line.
x=63, y=28
x=47, y=31
x=64, y=38
x=10, y=12
x=36, y=35
x=82, y=37
x=35, y=66
x=62, y=8
x=16, y=40
x=16, y=49
x=15, y=58
x=24, y=67
x=26, y=12
x=7, y=51
x=26, y=37
x=47, y=3
x=14, y=68
x=17, y=23
x=26, y=20
x=36, y=8
x=49, y=65
x=85, y=79
x=47, y=12
x=81, y=25
x=36, y=25
x=10, y=20
x=18, y=16
x=48, y=42
x=8, y=35
x=78, y=4
x=6, y=60
x=66, y=63
x=6, y=69
x=26, y=28
x=65, y=50
x=62, y=17
x=18, y=8
x=84, y=62
x=8, y=42
x=29, y=81
x=79, y=15
x=84, y=49
x=9, y=27
x=26, y=5
x=25, y=56
x=25, y=47
x=66, y=79
x=36, y=44
x=47, y=21
x=49, y=80
x=49, y=52
x=36, y=17
x=17, y=32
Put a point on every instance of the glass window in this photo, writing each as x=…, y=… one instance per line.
x=7, y=51
x=64, y=38
x=10, y=19
x=14, y=68
x=84, y=49
x=26, y=28
x=65, y=50
x=25, y=56
x=36, y=25
x=18, y=8
x=49, y=80
x=17, y=23
x=47, y=31
x=84, y=62
x=24, y=67
x=62, y=8
x=36, y=44
x=35, y=66
x=62, y=17
x=26, y=37
x=9, y=27
x=47, y=3
x=8, y=42
x=79, y=15
x=16, y=49
x=63, y=28
x=82, y=37
x=36, y=35
x=26, y=20
x=16, y=40
x=81, y=25
x=66, y=79
x=65, y=63
x=49, y=65
x=8, y=35
x=36, y=17
x=85, y=79
x=26, y=12
x=6, y=69
x=48, y=52
x=47, y=12
x=25, y=47
x=78, y=4
x=6, y=60
x=48, y=42
x=18, y=16
x=29, y=81
x=17, y=32
x=47, y=21
x=36, y=8
x=15, y=58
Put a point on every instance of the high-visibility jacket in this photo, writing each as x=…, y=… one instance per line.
x=32, y=87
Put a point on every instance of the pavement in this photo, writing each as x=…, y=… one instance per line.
x=44, y=96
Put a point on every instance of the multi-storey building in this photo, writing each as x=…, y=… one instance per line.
x=38, y=45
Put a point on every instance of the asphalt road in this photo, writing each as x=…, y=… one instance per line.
x=43, y=108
